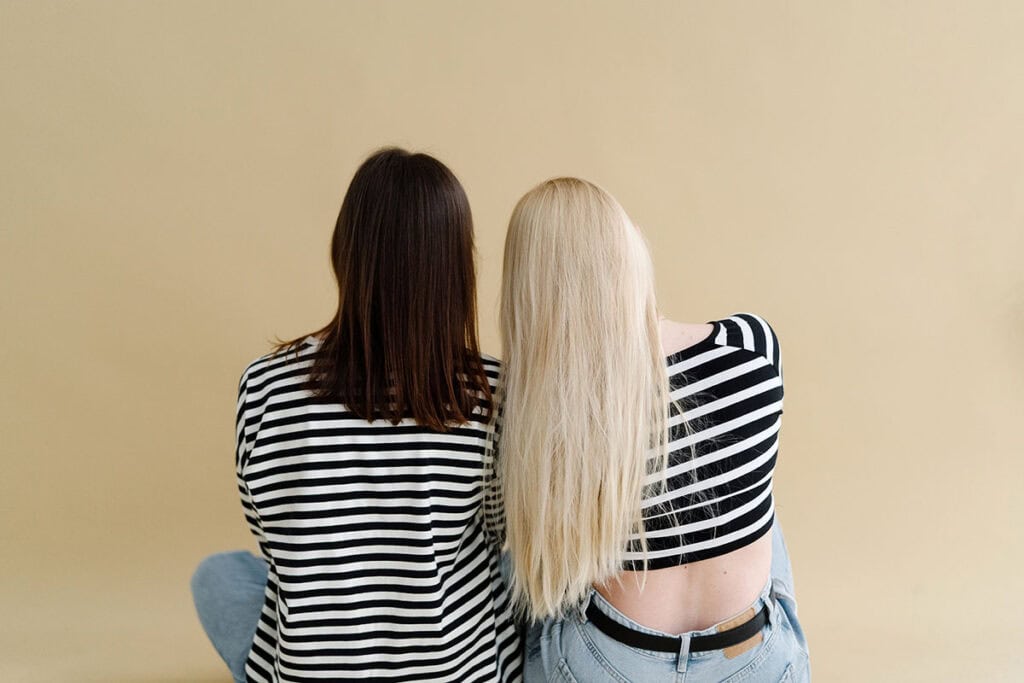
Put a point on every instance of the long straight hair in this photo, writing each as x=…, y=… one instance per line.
x=585, y=392
x=403, y=341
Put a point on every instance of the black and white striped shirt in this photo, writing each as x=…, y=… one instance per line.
x=719, y=478
x=380, y=568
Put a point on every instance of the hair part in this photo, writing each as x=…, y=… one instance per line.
x=585, y=392
x=403, y=341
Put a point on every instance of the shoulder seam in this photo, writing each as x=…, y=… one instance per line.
x=770, y=350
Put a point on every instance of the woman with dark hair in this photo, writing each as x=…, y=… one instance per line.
x=360, y=457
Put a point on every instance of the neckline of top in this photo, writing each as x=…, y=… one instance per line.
x=696, y=347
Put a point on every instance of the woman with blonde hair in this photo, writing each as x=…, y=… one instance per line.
x=634, y=463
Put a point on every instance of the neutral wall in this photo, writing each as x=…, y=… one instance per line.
x=853, y=171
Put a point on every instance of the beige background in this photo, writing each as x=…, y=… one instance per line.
x=854, y=171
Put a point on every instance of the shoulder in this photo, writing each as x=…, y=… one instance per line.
x=677, y=336
x=258, y=374
x=750, y=332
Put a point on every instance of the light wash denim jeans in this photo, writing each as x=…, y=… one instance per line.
x=228, y=591
x=573, y=650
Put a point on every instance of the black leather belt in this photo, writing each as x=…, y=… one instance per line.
x=646, y=641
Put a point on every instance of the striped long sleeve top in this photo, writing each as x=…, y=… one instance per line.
x=379, y=564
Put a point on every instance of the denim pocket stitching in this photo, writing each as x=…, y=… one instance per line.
x=596, y=653
x=564, y=672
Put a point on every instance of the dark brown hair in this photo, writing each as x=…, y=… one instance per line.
x=403, y=342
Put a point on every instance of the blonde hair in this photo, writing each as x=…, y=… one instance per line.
x=584, y=389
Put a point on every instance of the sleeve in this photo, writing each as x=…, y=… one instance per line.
x=753, y=333
x=494, y=502
x=243, y=447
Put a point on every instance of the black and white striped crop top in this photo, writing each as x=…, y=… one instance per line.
x=718, y=495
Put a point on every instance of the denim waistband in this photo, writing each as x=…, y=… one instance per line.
x=763, y=599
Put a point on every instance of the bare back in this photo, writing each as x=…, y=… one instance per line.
x=701, y=594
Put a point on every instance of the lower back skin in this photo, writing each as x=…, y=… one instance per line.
x=696, y=596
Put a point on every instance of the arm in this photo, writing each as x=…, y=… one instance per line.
x=494, y=502
x=243, y=448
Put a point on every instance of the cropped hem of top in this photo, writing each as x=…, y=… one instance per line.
x=725, y=413
x=379, y=564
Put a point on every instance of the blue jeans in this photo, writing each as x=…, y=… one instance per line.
x=228, y=591
x=573, y=649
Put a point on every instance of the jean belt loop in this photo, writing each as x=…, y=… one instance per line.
x=770, y=601
x=584, y=605
x=684, y=653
